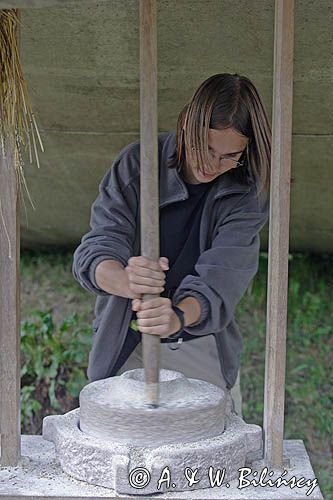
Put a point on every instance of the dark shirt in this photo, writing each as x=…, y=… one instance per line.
x=179, y=241
x=179, y=235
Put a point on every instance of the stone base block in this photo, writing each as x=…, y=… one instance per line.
x=129, y=469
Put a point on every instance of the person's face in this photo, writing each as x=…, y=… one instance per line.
x=224, y=146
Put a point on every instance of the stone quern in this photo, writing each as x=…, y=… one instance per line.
x=115, y=440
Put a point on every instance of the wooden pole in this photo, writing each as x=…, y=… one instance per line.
x=277, y=295
x=149, y=193
x=10, y=422
x=39, y=4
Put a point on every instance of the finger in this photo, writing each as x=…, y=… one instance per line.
x=152, y=303
x=142, y=289
x=162, y=330
x=136, y=303
x=152, y=313
x=140, y=280
x=144, y=262
x=164, y=263
x=144, y=272
x=158, y=321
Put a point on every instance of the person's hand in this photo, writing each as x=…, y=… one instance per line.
x=156, y=316
x=146, y=275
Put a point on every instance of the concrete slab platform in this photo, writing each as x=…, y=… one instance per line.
x=39, y=476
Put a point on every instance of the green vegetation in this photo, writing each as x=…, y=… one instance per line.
x=53, y=365
x=56, y=337
x=309, y=381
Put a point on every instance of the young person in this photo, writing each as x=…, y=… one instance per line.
x=214, y=174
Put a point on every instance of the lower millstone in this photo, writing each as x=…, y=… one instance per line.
x=114, y=441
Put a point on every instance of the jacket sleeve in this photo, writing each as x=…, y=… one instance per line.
x=224, y=271
x=112, y=222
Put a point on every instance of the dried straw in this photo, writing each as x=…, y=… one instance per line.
x=17, y=119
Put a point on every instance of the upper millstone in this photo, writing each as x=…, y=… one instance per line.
x=115, y=409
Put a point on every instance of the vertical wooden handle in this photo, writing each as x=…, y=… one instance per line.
x=149, y=193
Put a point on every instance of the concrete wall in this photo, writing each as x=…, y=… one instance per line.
x=81, y=62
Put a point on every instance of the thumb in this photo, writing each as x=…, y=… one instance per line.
x=136, y=304
x=164, y=263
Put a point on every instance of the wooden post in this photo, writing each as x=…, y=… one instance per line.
x=39, y=4
x=149, y=193
x=277, y=295
x=10, y=422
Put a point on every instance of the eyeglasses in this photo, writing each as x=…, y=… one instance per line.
x=226, y=160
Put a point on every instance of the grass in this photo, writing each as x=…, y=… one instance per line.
x=309, y=388
x=47, y=285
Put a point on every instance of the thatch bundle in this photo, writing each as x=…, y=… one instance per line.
x=17, y=121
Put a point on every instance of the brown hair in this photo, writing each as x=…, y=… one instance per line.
x=225, y=100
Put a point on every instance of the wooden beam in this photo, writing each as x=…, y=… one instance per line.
x=10, y=422
x=149, y=192
x=277, y=295
x=38, y=4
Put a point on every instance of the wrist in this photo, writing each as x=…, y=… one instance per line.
x=110, y=275
x=179, y=321
x=192, y=310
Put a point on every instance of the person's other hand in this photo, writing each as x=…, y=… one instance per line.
x=146, y=275
x=156, y=316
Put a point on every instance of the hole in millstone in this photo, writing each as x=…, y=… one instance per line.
x=138, y=374
x=150, y=406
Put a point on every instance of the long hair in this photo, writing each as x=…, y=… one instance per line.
x=225, y=100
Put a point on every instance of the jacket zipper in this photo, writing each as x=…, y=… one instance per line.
x=220, y=195
x=208, y=209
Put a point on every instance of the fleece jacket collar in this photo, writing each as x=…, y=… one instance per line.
x=172, y=187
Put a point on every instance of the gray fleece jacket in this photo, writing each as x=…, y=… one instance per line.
x=232, y=218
